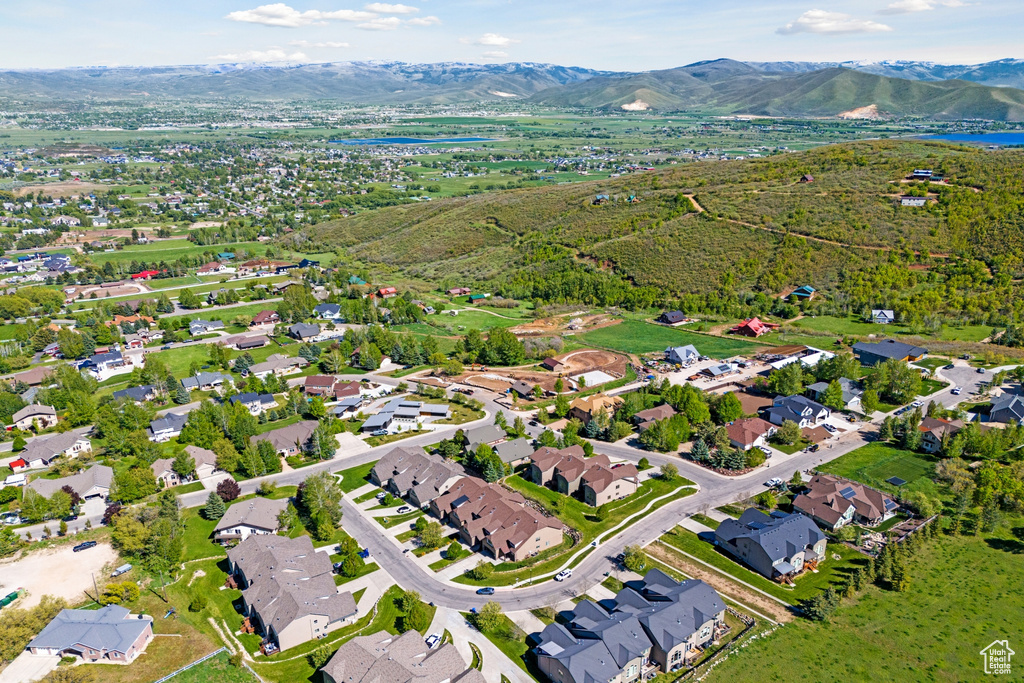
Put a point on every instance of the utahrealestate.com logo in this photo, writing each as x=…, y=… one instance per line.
x=997, y=657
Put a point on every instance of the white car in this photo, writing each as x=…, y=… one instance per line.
x=764, y=449
x=957, y=391
x=563, y=575
x=432, y=641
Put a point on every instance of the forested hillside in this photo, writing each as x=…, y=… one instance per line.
x=761, y=230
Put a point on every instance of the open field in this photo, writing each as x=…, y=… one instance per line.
x=576, y=362
x=639, y=338
x=873, y=463
x=852, y=326
x=215, y=669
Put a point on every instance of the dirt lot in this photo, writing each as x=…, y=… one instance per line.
x=61, y=189
x=563, y=323
x=741, y=594
x=59, y=572
x=576, y=362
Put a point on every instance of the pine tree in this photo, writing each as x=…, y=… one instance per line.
x=214, y=508
x=181, y=395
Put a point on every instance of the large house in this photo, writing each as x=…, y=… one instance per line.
x=205, y=466
x=304, y=331
x=256, y=516
x=645, y=419
x=869, y=353
x=200, y=327
x=109, y=635
x=753, y=327
x=775, y=546
x=35, y=415
x=44, y=450
x=401, y=414
x=672, y=318
x=206, y=381
x=491, y=435
x=585, y=407
x=146, y=392
x=327, y=311
x=568, y=471
x=798, y=409
x=1007, y=408
x=167, y=427
x=108, y=364
x=290, y=440
x=934, y=431
x=653, y=624
x=384, y=658
x=255, y=403
x=92, y=483
x=882, y=316
x=751, y=432
x=852, y=391
x=265, y=317
x=494, y=520
x=277, y=364
x=318, y=385
x=834, y=502
x=288, y=590
x=681, y=355
x=421, y=477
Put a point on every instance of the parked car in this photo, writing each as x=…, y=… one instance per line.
x=563, y=575
x=620, y=558
x=364, y=553
x=981, y=371
x=381, y=494
x=123, y=569
x=764, y=449
x=84, y=546
x=773, y=482
x=337, y=567
x=829, y=428
x=433, y=640
x=404, y=508
x=379, y=432
x=949, y=367
x=957, y=391
x=11, y=518
x=485, y=591
x=815, y=448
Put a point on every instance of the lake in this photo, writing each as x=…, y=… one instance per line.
x=407, y=141
x=1007, y=138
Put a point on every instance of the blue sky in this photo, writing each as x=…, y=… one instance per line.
x=618, y=35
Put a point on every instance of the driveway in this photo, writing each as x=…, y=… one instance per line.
x=28, y=667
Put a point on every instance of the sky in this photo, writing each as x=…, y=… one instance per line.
x=597, y=34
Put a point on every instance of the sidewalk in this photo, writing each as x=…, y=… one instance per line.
x=495, y=663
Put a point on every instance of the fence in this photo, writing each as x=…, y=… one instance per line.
x=189, y=666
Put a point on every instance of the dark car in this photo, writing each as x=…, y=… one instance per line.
x=485, y=591
x=84, y=546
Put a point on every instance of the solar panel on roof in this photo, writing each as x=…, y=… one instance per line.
x=891, y=504
x=896, y=481
x=848, y=493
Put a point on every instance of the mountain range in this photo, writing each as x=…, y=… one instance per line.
x=904, y=88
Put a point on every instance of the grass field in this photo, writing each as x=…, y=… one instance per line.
x=964, y=593
x=853, y=326
x=355, y=477
x=873, y=463
x=168, y=250
x=215, y=669
x=638, y=337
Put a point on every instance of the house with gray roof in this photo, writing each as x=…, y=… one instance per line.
x=304, y=331
x=92, y=483
x=869, y=353
x=288, y=590
x=277, y=364
x=255, y=516
x=776, y=545
x=1007, y=408
x=798, y=409
x=681, y=355
x=491, y=435
x=327, y=311
x=147, y=392
x=515, y=452
x=256, y=403
x=41, y=452
x=414, y=474
x=109, y=635
x=35, y=415
x=382, y=657
x=852, y=391
x=167, y=427
x=653, y=624
x=200, y=327
x=206, y=381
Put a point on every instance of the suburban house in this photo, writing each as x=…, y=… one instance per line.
x=290, y=440
x=35, y=415
x=1007, y=408
x=874, y=353
x=288, y=591
x=245, y=343
x=753, y=327
x=552, y=364
x=798, y=409
x=109, y=635
x=646, y=418
x=882, y=316
x=416, y=475
x=833, y=502
x=266, y=317
x=347, y=407
x=327, y=311
x=205, y=466
x=107, y=364
x=256, y=403
x=198, y=327
x=750, y=432
x=167, y=427
x=568, y=471
x=206, y=381
x=400, y=414
x=523, y=389
x=318, y=385
x=672, y=318
x=775, y=546
x=385, y=658
x=491, y=435
x=602, y=483
x=653, y=624
x=256, y=516
x=342, y=390
x=494, y=520
x=92, y=483
x=934, y=431
x=584, y=407
x=681, y=355
x=278, y=365
x=304, y=331
x=213, y=268
x=147, y=392
x=545, y=459
x=43, y=451
x=852, y=391
x=515, y=452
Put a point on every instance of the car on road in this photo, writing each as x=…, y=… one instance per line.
x=773, y=482
x=379, y=432
x=84, y=546
x=957, y=391
x=404, y=508
x=534, y=423
x=432, y=641
x=948, y=367
x=981, y=371
x=165, y=347
x=916, y=404
x=563, y=575
x=485, y=591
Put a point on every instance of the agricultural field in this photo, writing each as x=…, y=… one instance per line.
x=640, y=338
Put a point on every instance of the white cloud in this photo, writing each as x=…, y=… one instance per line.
x=381, y=24
x=387, y=8
x=424, y=21
x=911, y=6
x=495, y=54
x=820, y=21
x=492, y=40
x=282, y=15
x=307, y=44
x=272, y=55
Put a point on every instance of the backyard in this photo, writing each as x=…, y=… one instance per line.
x=874, y=463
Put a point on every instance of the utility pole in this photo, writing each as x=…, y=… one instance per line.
x=95, y=588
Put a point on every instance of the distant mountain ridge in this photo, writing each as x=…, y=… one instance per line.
x=895, y=88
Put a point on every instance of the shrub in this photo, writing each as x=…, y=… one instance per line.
x=198, y=603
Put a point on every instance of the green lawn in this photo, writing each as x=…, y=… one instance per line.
x=705, y=520
x=515, y=648
x=197, y=536
x=367, y=568
x=215, y=669
x=807, y=584
x=874, y=463
x=855, y=326
x=637, y=337
x=964, y=593
x=355, y=477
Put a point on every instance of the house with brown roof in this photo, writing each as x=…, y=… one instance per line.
x=934, y=431
x=277, y=364
x=493, y=519
x=205, y=461
x=568, y=471
x=256, y=516
x=35, y=415
x=346, y=390
x=833, y=502
x=414, y=474
x=288, y=590
x=385, y=658
x=646, y=418
x=266, y=317
x=602, y=483
x=750, y=432
x=552, y=364
x=585, y=407
x=290, y=440
x=545, y=459
x=318, y=385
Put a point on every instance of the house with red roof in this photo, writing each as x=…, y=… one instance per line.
x=146, y=275
x=754, y=327
x=387, y=292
